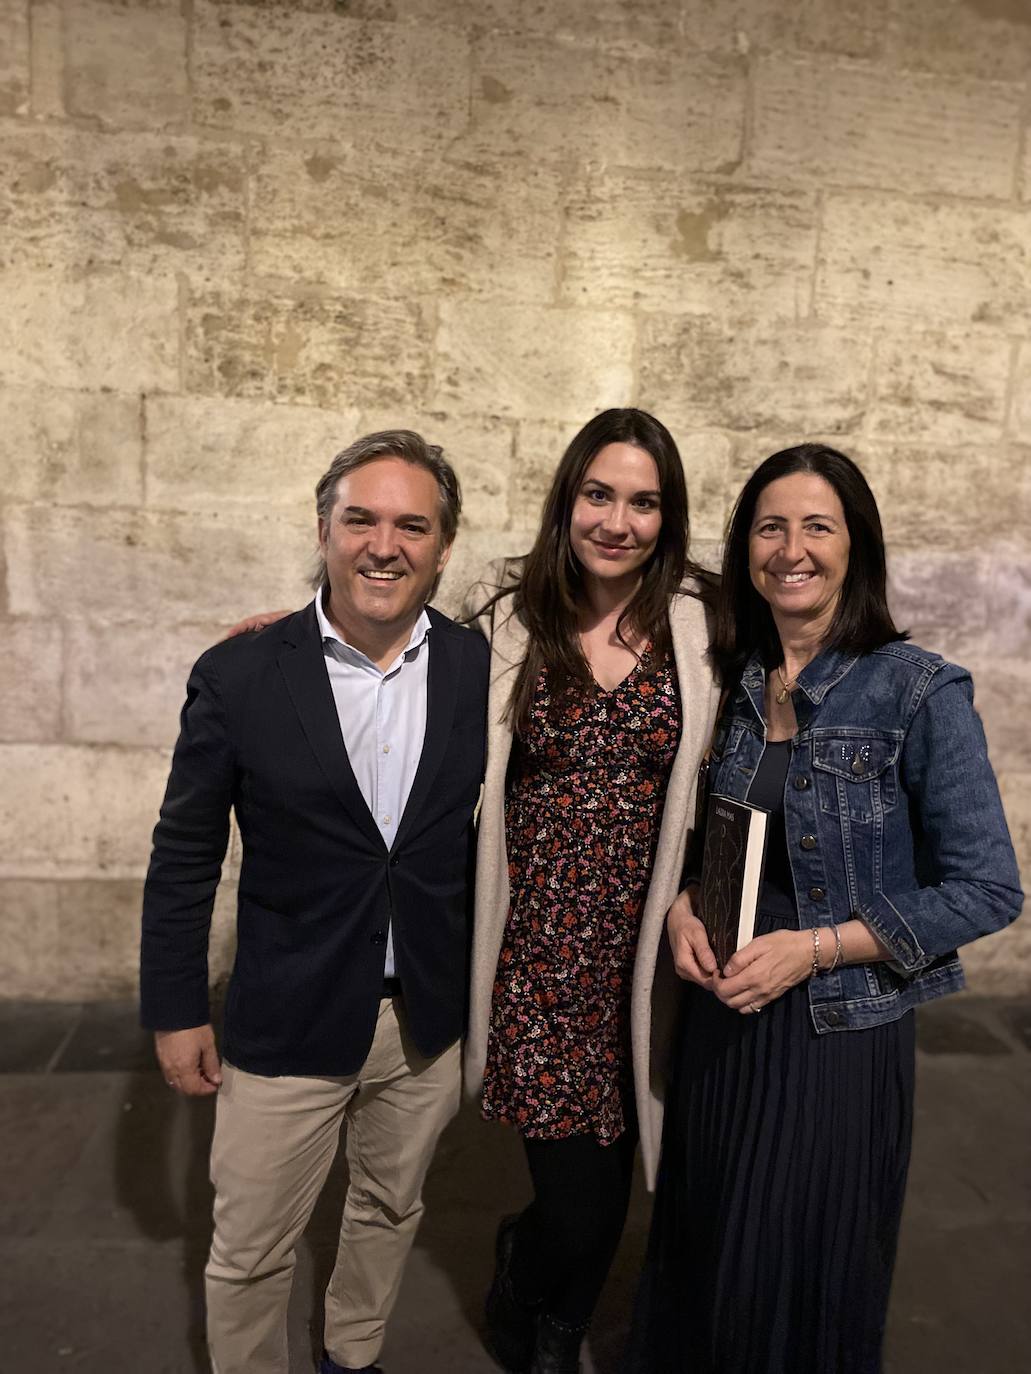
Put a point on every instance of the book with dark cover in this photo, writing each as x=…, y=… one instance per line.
x=732, y=873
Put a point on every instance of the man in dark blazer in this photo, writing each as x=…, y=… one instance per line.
x=349, y=740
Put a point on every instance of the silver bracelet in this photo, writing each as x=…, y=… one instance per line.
x=839, y=953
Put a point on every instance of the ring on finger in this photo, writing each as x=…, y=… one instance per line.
x=754, y=1007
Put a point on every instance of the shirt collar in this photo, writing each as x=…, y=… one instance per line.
x=420, y=630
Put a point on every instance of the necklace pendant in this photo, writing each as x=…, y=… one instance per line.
x=782, y=696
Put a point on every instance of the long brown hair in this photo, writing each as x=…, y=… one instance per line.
x=862, y=621
x=549, y=592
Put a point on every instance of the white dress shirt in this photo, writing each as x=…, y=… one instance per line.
x=382, y=716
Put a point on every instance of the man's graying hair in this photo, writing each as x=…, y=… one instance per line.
x=390, y=443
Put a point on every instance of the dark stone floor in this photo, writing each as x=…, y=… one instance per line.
x=104, y=1206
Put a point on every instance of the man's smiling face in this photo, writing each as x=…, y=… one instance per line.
x=382, y=546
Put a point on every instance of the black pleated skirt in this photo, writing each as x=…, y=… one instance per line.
x=780, y=1194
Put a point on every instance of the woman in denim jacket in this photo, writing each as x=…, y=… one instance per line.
x=789, y=1120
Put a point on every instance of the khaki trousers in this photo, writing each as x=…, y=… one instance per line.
x=274, y=1142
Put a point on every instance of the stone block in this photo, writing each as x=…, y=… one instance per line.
x=560, y=103
x=156, y=567
x=942, y=388
x=14, y=56
x=140, y=705
x=47, y=58
x=30, y=679
x=473, y=553
x=125, y=62
x=93, y=332
x=933, y=264
x=217, y=454
x=1008, y=624
x=479, y=447
x=699, y=373
x=544, y=363
x=708, y=465
x=943, y=598
x=68, y=811
x=456, y=227
x=29, y=926
x=990, y=38
x=860, y=125
x=70, y=447
x=99, y=936
x=935, y=498
x=652, y=240
x=1015, y=787
x=327, y=76
x=1002, y=695
x=139, y=202
x=852, y=30
x=1020, y=413
x=539, y=446
x=349, y=351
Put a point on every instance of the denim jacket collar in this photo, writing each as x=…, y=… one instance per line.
x=815, y=680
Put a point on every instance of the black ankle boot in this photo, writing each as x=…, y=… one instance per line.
x=511, y=1322
x=557, y=1350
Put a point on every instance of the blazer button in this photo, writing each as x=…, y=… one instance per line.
x=817, y=894
x=378, y=937
x=394, y=861
x=808, y=842
x=800, y=784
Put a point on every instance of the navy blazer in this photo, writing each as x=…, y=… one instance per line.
x=259, y=733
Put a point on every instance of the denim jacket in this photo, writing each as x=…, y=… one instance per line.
x=892, y=815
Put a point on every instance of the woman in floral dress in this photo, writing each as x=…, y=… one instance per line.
x=601, y=704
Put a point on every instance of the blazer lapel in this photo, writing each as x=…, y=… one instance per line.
x=445, y=649
x=301, y=663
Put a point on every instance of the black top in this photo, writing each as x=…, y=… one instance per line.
x=767, y=790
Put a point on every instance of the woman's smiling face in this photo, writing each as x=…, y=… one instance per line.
x=617, y=514
x=798, y=548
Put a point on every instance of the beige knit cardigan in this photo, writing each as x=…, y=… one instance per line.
x=653, y=998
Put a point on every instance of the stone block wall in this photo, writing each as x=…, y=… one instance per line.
x=236, y=233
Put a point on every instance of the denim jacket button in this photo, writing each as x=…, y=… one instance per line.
x=833, y=1017
x=800, y=784
x=808, y=842
x=817, y=894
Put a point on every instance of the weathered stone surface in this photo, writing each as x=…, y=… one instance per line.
x=29, y=926
x=14, y=56
x=162, y=567
x=30, y=679
x=1020, y=421
x=697, y=373
x=539, y=446
x=337, y=353
x=357, y=219
x=472, y=555
x=545, y=364
x=566, y=104
x=943, y=598
x=139, y=705
x=852, y=30
x=862, y=126
x=479, y=447
x=140, y=202
x=206, y=454
x=1016, y=801
x=327, y=75
x=649, y=239
x=125, y=62
x=935, y=498
x=46, y=55
x=990, y=38
x=70, y=447
x=96, y=332
x=1003, y=698
x=941, y=387
x=76, y=812
x=1008, y=629
x=708, y=459
x=935, y=264
x=99, y=935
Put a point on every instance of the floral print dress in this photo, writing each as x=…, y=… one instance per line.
x=582, y=818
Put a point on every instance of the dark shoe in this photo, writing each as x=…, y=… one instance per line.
x=558, y=1346
x=327, y=1365
x=511, y=1323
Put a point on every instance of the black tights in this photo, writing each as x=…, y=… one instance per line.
x=566, y=1239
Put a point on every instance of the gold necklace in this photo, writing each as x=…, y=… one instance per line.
x=785, y=687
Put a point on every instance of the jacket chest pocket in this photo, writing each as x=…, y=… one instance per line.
x=856, y=775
